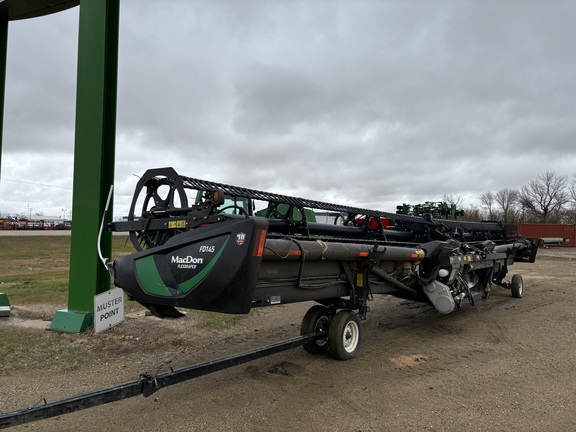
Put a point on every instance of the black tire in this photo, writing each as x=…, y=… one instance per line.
x=316, y=319
x=344, y=335
x=517, y=286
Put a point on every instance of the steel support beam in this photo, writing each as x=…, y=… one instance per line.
x=3, y=51
x=94, y=150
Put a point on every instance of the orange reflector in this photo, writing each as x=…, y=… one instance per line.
x=260, y=241
x=364, y=254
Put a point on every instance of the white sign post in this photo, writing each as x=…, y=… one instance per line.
x=108, y=309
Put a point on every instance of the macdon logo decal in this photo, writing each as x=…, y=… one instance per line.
x=187, y=261
x=240, y=238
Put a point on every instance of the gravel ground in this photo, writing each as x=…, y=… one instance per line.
x=504, y=364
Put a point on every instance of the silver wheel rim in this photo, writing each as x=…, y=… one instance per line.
x=350, y=336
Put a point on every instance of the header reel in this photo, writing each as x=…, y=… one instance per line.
x=160, y=209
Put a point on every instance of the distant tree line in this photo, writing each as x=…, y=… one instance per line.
x=551, y=198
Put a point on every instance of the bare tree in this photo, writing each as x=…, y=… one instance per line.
x=570, y=213
x=456, y=200
x=545, y=197
x=572, y=189
x=506, y=199
x=473, y=213
x=488, y=200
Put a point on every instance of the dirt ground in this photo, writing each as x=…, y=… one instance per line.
x=505, y=364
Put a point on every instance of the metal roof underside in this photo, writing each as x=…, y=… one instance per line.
x=22, y=9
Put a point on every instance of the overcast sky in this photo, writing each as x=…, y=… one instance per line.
x=368, y=103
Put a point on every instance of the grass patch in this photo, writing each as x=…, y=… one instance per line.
x=31, y=349
x=50, y=289
x=216, y=321
x=35, y=269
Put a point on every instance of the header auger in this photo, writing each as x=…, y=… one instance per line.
x=201, y=245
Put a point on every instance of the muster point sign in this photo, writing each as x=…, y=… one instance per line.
x=108, y=309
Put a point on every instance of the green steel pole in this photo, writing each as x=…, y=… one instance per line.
x=3, y=51
x=4, y=302
x=94, y=150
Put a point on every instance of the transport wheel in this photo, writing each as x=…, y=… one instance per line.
x=344, y=335
x=517, y=286
x=316, y=319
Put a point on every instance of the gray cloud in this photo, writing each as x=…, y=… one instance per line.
x=371, y=103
